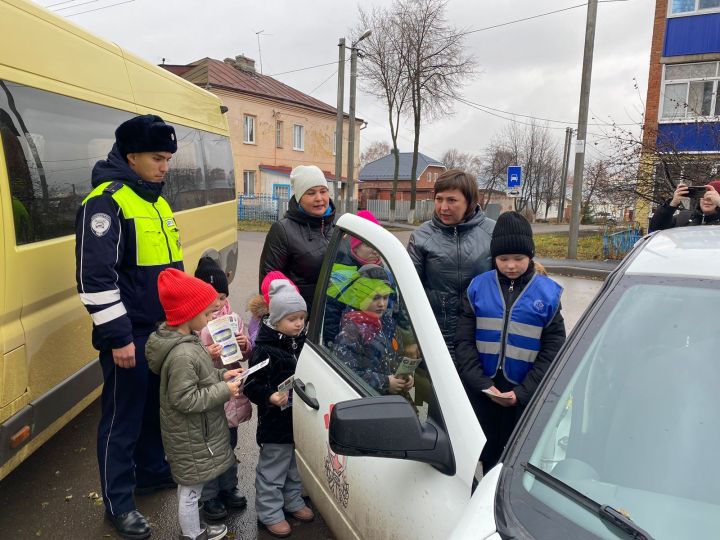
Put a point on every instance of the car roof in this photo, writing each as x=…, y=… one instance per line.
x=683, y=251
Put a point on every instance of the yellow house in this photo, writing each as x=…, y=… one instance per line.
x=273, y=127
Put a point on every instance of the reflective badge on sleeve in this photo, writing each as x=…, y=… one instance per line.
x=100, y=224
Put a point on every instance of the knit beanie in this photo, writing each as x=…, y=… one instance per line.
x=304, y=177
x=512, y=235
x=371, y=280
x=147, y=133
x=183, y=296
x=284, y=298
x=265, y=285
x=367, y=214
x=210, y=272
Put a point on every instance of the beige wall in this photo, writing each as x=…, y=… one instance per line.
x=319, y=137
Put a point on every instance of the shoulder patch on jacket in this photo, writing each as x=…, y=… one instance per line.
x=113, y=188
x=100, y=224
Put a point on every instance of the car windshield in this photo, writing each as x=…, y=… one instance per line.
x=632, y=419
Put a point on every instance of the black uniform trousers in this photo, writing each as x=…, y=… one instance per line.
x=129, y=444
x=497, y=423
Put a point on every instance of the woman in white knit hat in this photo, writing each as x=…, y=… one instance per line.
x=296, y=244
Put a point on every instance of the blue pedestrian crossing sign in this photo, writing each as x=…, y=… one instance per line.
x=514, y=176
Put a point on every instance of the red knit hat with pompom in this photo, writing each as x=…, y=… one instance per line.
x=269, y=277
x=183, y=296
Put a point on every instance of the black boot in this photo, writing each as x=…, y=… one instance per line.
x=214, y=509
x=130, y=525
x=233, y=498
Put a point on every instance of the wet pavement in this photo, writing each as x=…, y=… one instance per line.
x=54, y=493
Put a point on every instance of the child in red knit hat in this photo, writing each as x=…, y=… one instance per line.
x=192, y=395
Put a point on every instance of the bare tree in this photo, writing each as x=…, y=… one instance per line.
x=383, y=72
x=375, y=150
x=469, y=163
x=436, y=65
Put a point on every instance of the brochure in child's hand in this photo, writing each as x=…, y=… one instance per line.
x=407, y=366
x=286, y=386
x=245, y=374
x=222, y=330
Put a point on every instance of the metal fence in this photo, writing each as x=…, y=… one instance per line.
x=381, y=209
x=266, y=207
x=617, y=244
x=261, y=207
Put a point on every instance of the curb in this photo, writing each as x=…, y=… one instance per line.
x=576, y=271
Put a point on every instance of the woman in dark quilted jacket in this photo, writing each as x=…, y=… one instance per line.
x=296, y=244
x=452, y=248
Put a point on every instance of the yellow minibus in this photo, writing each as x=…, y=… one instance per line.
x=63, y=91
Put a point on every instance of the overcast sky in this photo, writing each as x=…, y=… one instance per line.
x=530, y=68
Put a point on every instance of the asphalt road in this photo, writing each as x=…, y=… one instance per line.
x=53, y=494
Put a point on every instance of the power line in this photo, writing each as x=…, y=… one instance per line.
x=322, y=83
x=100, y=8
x=59, y=3
x=76, y=5
x=303, y=69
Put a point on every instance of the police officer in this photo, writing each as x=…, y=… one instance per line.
x=125, y=236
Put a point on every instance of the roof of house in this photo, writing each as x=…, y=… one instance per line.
x=210, y=73
x=384, y=168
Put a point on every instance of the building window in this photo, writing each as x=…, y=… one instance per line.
x=249, y=182
x=278, y=134
x=298, y=137
x=249, y=129
x=685, y=7
x=690, y=91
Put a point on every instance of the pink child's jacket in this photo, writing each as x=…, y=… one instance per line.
x=238, y=409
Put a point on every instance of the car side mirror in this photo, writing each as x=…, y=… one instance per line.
x=388, y=426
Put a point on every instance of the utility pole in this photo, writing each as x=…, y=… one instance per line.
x=339, y=122
x=351, y=131
x=564, y=173
x=582, y=127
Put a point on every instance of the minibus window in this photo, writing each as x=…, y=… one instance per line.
x=52, y=142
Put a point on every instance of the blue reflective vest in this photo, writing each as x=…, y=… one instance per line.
x=518, y=341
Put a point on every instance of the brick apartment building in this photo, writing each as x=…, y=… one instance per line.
x=682, y=120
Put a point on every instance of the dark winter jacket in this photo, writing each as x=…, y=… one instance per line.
x=666, y=218
x=296, y=246
x=365, y=345
x=447, y=258
x=192, y=414
x=125, y=236
x=274, y=425
x=466, y=354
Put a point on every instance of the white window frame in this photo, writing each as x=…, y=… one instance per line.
x=695, y=11
x=249, y=128
x=689, y=116
x=249, y=181
x=279, y=127
x=301, y=146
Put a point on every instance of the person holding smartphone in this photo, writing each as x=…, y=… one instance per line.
x=706, y=211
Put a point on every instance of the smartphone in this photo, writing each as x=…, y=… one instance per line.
x=696, y=192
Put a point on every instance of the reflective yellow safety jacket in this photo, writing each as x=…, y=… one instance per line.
x=125, y=237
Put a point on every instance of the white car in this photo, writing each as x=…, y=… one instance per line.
x=619, y=442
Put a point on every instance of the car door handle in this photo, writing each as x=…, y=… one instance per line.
x=299, y=388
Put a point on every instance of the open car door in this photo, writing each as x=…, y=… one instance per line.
x=405, y=465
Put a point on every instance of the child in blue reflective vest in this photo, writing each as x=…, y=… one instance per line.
x=509, y=333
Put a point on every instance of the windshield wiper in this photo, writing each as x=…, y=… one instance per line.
x=603, y=511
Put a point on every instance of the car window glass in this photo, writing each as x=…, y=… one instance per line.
x=635, y=428
x=367, y=333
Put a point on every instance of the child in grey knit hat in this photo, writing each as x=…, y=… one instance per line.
x=279, y=340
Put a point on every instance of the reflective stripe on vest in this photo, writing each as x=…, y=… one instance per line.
x=157, y=238
x=531, y=312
